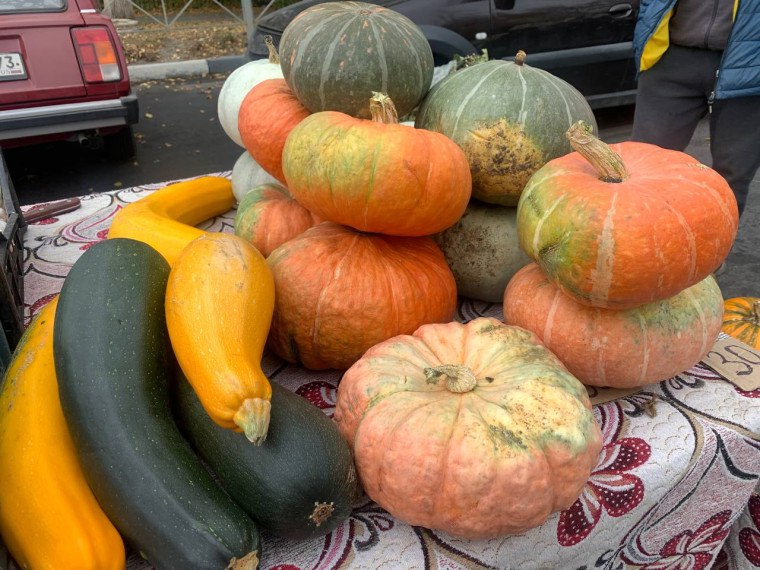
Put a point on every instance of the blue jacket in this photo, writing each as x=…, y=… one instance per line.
x=739, y=73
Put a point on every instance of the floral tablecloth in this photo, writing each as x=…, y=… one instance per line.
x=676, y=485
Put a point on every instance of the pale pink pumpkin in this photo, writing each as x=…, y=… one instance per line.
x=473, y=429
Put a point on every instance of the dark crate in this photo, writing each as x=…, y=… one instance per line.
x=11, y=263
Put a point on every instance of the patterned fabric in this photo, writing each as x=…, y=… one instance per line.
x=675, y=486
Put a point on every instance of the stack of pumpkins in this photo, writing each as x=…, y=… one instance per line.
x=328, y=133
x=624, y=240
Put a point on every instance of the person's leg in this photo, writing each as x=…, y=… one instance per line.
x=735, y=143
x=671, y=97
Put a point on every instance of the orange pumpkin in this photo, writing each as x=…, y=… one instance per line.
x=621, y=349
x=268, y=216
x=742, y=320
x=267, y=115
x=340, y=291
x=616, y=227
x=376, y=175
x=474, y=429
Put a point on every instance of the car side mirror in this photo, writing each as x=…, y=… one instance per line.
x=504, y=4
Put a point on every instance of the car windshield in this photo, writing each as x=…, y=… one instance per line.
x=11, y=6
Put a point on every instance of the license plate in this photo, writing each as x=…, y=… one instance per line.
x=11, y=67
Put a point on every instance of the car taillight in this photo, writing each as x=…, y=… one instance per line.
x=97, y=54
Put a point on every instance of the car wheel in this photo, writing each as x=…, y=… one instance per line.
x=121, y=144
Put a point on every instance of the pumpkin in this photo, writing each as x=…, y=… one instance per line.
x=376, y=175
x=620, y=349
x=268, y=216
x=335, y=54
x=267, y=115
x=742, y=320
x=623, y=225
x=473, y=429
x=509, y=119
x=482, y=250
x=340, y=291
x=218, y=304
x=247, y=174
x=239, y=83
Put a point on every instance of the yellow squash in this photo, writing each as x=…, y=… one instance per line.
x=49, y=518
x=166, y=219
x=219, y=304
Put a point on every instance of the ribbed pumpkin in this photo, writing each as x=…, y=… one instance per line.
x=376, y=175
x=509, y=119
x=267, y=115
x=482, y=250
x=742, y=320
x=620, y=349
x=268, y=216
x=246, y=175
x=340, y=291
x=620, y=226
x=335, y=54
x=474, y=429
x=239, y=83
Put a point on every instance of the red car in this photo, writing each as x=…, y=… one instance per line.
x=63, y=76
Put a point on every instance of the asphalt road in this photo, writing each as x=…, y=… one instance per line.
x=179, y=136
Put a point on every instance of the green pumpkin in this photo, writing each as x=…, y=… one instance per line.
x=334, y=55
x=509, y=119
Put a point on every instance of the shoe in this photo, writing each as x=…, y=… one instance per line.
x=720, y=270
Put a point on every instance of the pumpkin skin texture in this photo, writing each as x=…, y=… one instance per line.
x=482, y=250
x=375, y=176
x=742, y=320
x=335, y=54
x=239, y=83
x=246, y=175
x=493, y=453
x=508, y=118
x=664, y=225
x=619, y=349
x=219, y=303
x=267, y=115
x=340, y=291
x=268, y=216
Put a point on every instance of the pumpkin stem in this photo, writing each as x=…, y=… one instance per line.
x=273, y=55
x=248, y=562
x=321, y=512
x=756, y=311
x=383, y=109
x=459, y=378
x=520, y=57
x=606, y=161
x=253, y=419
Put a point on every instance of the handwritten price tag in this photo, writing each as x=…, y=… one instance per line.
x=736, y=362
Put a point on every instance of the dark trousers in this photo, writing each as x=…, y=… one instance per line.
x=672, y=98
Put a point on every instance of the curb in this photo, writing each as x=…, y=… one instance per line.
x=191, y=68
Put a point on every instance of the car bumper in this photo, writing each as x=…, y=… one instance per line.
x=68, y=118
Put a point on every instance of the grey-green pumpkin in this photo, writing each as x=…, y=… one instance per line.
x=509, y=119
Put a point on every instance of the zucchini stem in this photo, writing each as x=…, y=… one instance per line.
x=253, y=419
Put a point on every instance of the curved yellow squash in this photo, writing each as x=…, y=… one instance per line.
x=166, y=219
x=49, y=518
x=219, y=304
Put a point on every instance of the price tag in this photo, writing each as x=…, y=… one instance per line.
x=736, y=362
x=604, y=395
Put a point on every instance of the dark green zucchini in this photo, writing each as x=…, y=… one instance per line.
x=114, y=366
x=300, y=483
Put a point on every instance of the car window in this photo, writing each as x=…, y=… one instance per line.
x=15, y=6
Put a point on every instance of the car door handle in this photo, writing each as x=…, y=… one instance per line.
x=621, y=10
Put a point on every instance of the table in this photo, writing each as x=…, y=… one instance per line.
x=676, y=485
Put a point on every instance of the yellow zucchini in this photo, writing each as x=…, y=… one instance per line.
x=49, y=518
x=166, y=218
x=219, y=304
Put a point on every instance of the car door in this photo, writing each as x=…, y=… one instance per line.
x=585, y=42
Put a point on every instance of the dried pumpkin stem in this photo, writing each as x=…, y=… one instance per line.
x=321, y=512
x=606, y=161
x=248, y=562
x=756, y=312
x=520, y=57
x=253, y=419
x=382, y=109
x=273, y=55
x=459, y=378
